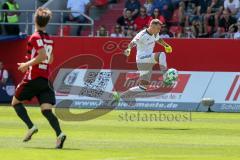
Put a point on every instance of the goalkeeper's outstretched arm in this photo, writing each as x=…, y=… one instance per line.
x=167, y=47
x=162, y=42
x=130, y=46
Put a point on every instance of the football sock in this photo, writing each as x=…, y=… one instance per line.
x=163, y=62
x=53, y=121
x=22, y=113
x=133, y=92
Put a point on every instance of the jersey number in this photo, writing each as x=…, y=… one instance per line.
x=48, y=49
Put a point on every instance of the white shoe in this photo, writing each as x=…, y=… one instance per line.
x=30, y=133
x=60, y=141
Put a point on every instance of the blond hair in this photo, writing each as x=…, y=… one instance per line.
x=155, y=22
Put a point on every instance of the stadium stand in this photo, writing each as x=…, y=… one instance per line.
x=108, y=18
x=198, y=18
x=184, y=19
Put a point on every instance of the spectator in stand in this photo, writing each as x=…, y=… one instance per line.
x=192, y=11
x=11, y=17
x=117, y=31
x=186, y=33
x=211, y=18
x=227, y=20
x=197, y=28
x=3, y=75
x=233, y=6
x=237, y=34
x=130, y=32
x=102, y=31
x=157, y=15
x=203, y=6
x=193, y=7
x=148, y=5
x=165, y=7
x=77, y=8
x=133, y=6
x=164, y=33
x=188, y=11
x=142, y=20
x=231, y=31
x=181, y=13
x=175, y=3
x=126, y=21
x=219, y=33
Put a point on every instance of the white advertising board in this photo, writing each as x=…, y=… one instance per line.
x=224, y=88
x=185, y=95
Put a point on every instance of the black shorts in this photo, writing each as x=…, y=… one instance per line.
x=41, y=88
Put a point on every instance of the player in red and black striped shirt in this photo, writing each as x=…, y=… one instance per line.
x=35, y=82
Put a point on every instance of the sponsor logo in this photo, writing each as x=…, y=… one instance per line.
x=150, y=43
x=128, y=80
x=230, y=107
x=70, y=78
x=145, y=56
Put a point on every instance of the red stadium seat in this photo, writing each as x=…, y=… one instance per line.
x=100, y=2
x=175, y=29
x=175, y=17
x=66, y=31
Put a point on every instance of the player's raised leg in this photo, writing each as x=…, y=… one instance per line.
x=145, y=70
x=129, y=95
x=161, y=59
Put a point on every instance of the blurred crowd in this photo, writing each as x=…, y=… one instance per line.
x=181, y=18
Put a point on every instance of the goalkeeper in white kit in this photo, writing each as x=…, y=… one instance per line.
x=145, y=42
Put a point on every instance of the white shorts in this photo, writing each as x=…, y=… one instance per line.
x=145, y=64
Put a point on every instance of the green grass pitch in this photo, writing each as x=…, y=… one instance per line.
x=213, y=136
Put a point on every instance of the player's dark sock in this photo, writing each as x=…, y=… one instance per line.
x=52, y=119
x=22, y=113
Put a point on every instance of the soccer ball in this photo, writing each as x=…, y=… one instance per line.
x=170, y=77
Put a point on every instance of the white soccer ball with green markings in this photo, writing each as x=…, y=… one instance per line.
x=170, y=77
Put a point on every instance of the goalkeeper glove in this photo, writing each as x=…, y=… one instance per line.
x=127, y=52
x=168, y=49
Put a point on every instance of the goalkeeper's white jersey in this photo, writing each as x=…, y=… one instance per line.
x=145, y=43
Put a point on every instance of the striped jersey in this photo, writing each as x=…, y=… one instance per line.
x=37, y=41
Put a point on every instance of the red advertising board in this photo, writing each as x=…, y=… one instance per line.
x=188, y=54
